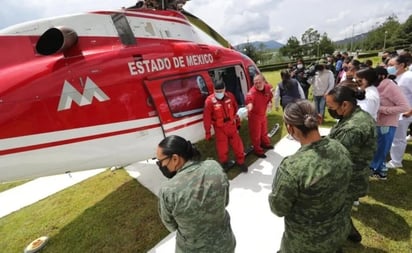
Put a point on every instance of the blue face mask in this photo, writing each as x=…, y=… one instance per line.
x=219, y=95
x=391, y=70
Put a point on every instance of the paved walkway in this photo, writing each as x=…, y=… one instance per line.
x=256, y=228
x=38, y=189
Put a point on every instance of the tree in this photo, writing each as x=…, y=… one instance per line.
x=251, y=51
x=385, y=35
x=404, y=35
x=292, y=48
x=261, y=47
x=326, y=45
x=310, y=40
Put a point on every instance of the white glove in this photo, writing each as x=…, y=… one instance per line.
x=242, y=113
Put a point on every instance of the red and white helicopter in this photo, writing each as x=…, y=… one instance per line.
x=102, y=88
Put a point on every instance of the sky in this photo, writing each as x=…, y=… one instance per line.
x=240, y=21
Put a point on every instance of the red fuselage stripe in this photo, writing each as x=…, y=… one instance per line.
x=73, y=140
x=182, y=126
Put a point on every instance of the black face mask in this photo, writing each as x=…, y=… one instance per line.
x=334, y=114
x=165, y=171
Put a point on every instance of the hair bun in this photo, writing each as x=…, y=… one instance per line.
x=189, y=148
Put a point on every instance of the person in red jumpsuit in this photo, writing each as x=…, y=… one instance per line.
x=220, y=112
x=258, y=99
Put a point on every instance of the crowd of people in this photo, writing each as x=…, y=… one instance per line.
x=372, y=107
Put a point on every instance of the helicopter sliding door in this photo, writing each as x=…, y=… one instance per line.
x=179, y=103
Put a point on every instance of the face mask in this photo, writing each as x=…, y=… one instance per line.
x=391, y=70
x=219, y=95
x=165, y=171
x=334, y=114
x=299, y=66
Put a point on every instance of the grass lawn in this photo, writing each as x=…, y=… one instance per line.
x=112, y=212
x=6, y=186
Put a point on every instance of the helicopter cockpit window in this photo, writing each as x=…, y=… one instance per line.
x=185, y=96
x=123, y=29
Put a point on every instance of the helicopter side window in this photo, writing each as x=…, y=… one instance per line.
x=123, y=29
x=185, y=96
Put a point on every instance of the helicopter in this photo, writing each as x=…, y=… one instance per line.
x=103, y=88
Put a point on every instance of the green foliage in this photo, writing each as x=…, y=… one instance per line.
x=387, y=35
x=313, y=44
x=251, y=51
x=292, y=48
x=310, y=40
x=258, y=55
x=110, y=212
x=383, y=36
x=326, y=46
x=310, y=36
x=407, y=29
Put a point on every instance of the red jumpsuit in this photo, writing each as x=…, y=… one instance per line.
x=258, y=129
x=222, y=115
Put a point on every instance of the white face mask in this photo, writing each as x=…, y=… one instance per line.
x=299, y=66
x=392, y=70
x=219, y=95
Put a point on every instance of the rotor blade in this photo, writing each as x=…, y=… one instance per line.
x=206, y=28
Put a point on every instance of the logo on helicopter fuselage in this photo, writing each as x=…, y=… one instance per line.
x=70, y=94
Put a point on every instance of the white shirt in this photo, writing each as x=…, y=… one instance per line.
x=323, y=82
x=405, y=82
x=371, y=102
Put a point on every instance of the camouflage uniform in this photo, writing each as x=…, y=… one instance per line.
x=194, y=203
x=358, y=134
x=310, y=189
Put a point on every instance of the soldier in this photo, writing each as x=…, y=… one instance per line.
x=220, y=111
x=310, y=187
x=258, y=101
x=194, y=200
x=356, y=130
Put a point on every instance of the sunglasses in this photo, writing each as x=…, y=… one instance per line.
x=159, y=162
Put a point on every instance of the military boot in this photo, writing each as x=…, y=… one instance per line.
x=354, y=235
